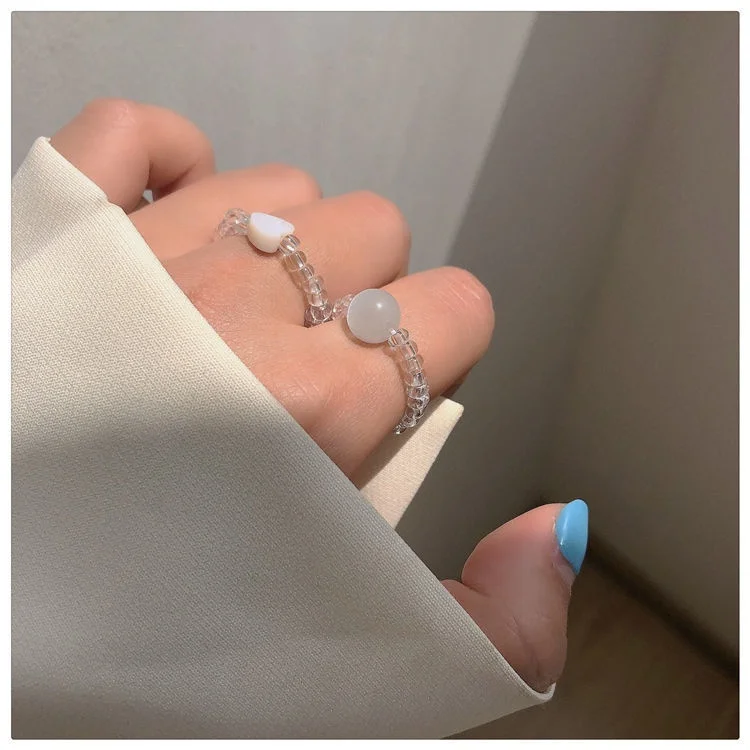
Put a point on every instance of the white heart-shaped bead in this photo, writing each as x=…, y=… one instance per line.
x=266, y=231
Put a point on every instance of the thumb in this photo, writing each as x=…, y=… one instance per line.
x=516, y=586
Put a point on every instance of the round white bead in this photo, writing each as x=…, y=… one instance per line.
x=372, y=315
x=266, y=231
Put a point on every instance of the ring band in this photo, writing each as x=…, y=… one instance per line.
x=374, y=316
x=271, y=234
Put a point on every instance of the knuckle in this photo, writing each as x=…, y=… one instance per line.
x=112, y=111
x=469, y=296
x=203, y=143
x=305, y=398
x=386, y=213
x=301, y=184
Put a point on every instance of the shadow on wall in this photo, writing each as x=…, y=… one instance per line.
x=536, y=232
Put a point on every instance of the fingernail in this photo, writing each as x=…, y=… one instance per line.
x=572, y=531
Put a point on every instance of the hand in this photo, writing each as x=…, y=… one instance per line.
x=516, y=584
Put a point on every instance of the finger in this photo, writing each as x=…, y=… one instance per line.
x=126, y=148
x=448, y=313
x=187, y=219
x=353, y=241
x=453, y=389
x=516, y=586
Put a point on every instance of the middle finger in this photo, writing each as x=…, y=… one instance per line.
x=186, y=219
x=354, y=241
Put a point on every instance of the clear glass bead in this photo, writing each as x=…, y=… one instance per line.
x=412, y=365
x=289, y=244
x=341, y=306
x=234, y=223
x=416, y=379
x=315, y=315
x=322, y=312
x=302, y=275
x=314, y=285
x=399, y=338
x=409, y=349
x=316, y=299
x=295, y=260
x=418, y=403
x=409, y=420
x=415, y=417
x=419, y=391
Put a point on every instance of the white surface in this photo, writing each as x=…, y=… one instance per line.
x=266, y=231
x=649, y=433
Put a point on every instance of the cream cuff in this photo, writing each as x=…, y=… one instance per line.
x=187, y=562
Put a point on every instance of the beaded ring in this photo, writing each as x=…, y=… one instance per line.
x=374, y=316
x=271, y=234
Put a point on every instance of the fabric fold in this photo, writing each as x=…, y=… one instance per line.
x=187, y=562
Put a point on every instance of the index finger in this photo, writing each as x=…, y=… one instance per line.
x=127, y=147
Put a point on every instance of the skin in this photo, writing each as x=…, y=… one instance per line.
x=515, y=585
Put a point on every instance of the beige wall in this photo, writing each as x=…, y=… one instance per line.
x=649, y=431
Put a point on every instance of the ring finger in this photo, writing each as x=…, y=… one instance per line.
x=450, y=316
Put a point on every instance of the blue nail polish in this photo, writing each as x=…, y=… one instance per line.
x=572, y=530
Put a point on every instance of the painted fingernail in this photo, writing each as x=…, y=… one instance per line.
x=572, y=531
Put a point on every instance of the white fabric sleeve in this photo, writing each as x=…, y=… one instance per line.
x=186, y=561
